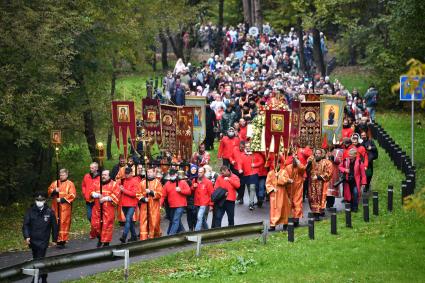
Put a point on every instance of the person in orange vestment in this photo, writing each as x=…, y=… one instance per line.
x=108, y=200
x=319, y=176
x=63, y=194
x=296, y=171
x=329, y=168
x=149, y=196
x=277, y=187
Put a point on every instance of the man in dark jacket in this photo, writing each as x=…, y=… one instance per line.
x=372, y=154
x=229, y=117
x=39, y=223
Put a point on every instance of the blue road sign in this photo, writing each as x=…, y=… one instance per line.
x=412, y=89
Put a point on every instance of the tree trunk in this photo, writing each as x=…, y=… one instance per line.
x=252, y=11
x=352, y=52
x=258, y=15
x=246, y=4
x=88, y=124
x=220, y=27
x=112, y=94
x=153, y=48
x=301, y=44
x=164, y=50
x=177, y=46
x=317, y=52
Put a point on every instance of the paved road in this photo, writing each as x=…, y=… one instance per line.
x=242, y=216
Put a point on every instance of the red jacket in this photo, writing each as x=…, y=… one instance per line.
x=347, y=133
x=175, y=199
x=361, y=152
x=203, y=192
x=89, y=185
x=242, y=133
x=227, y=146
x=261, y=169
x=128, y=195
x=359, y=177
x=230, y=185
x=250, y=163
x=236, y=156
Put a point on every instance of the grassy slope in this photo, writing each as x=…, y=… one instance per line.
x=391, y=248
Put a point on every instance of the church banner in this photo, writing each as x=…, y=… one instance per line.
x=198, y=104
x=185, y=132
x=169, y=127
x=295, y=122
x=152, y=119
x=124, y=118
x=277, y=129
x=310, y=126
x=332, y=114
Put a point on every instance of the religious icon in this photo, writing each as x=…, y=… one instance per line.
x=331, y=116
x=197, y=121
x=56, y=137
x=310, y=117
x=167, y=120
x=277, y=123
x=123, y=113
x=151, y=116
x=182, y=122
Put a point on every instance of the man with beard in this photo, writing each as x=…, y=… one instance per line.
x=117, y=167
x=227, y=145
x=372, y=154
x=347, y=131
x=108, y=200
x=149, y=196
x=90, y=183
x=201, y=157
x=210, y=124
x=175, y=191
x=319, y=176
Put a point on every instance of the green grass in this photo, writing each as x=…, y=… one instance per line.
x=352, y=77
x=391, y=248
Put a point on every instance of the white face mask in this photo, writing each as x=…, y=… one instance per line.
x=40, y=203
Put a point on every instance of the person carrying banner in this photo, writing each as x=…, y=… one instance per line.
x=109, y=199
x=63, y=193
x=149, y=196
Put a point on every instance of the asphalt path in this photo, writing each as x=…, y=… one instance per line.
x=242, y=216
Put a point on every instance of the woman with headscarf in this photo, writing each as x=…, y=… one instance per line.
x=191, y=210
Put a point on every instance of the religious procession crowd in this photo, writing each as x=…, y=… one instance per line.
x=257, y=72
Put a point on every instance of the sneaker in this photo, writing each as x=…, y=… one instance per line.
x=251, y=207
x=123, y=240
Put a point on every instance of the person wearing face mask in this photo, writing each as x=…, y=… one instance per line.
x=90, y=182
x=319, y=175
x=227, y=145
x=149, y=196
x=39, y=224
x=203, y=189
x=108, y=200
x=175, y=192
x=63, y=193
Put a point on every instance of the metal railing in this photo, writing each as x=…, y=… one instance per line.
x=69, y=260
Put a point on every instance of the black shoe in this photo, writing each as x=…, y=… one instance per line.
x=272, y=228
x=123, y=240
x=106, y=244
x=251, y=207
x=241, y=201
x=316, y=217
x=60, y=245
x=285, y=227
x=99, y=244
x=122, y=224
x=260, y=204
x=296, y=223
x=322, y=214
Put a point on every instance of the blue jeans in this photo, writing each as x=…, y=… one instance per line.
x=354, y=198
x=89, y=206
x=176, y=225
x=129, y=224
x=201, y=222
x=371, y=111
x=261, y=188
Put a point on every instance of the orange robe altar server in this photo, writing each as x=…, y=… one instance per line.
x=67, y=194
x=295, y=190
x=149, y=213
x=279, y=203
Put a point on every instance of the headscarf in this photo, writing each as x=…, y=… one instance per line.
x=190, y=175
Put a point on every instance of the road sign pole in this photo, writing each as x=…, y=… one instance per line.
x=413, y=130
